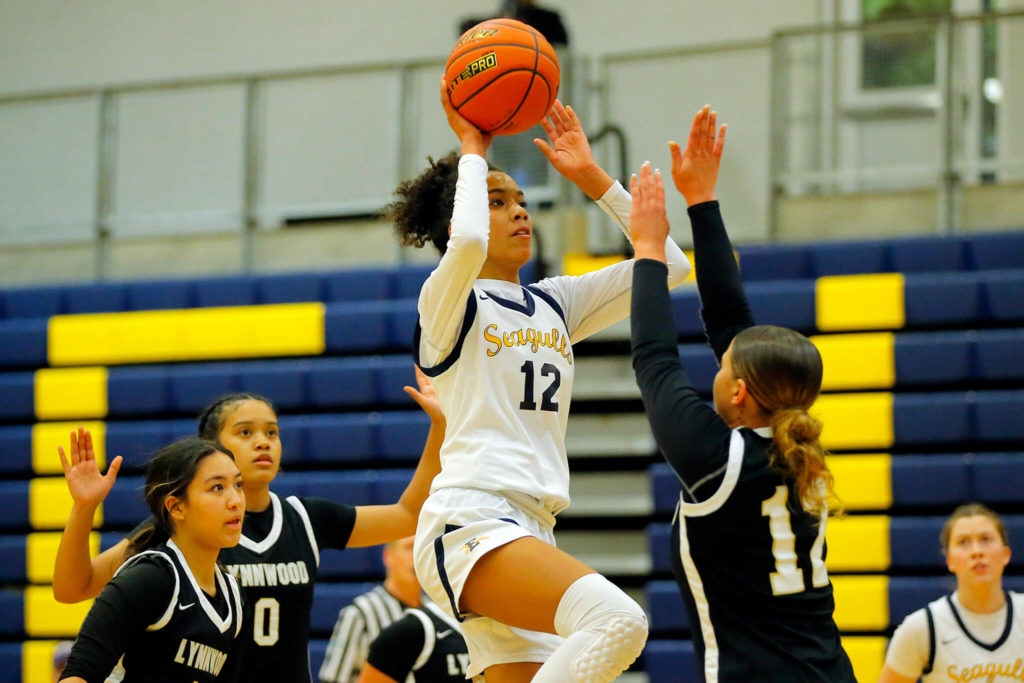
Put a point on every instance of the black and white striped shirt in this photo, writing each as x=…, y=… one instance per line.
x=358, y=624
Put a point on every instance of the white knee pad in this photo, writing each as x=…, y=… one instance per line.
x=606, y=627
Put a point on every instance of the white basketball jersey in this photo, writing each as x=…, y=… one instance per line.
x=505, y=388
x=959, y=655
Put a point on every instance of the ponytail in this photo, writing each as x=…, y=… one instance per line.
x=797, y=453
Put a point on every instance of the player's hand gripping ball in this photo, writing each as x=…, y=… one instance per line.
x=502, y=76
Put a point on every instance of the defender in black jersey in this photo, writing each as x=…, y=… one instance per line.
x=424, y=646
x=276, y=559
x=171, y=611
x=748, y=543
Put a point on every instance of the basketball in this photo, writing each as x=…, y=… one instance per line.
x=502, y=76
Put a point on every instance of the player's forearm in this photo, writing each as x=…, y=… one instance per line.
x=73, y=568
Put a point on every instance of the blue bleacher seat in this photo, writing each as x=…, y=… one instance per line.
x=941, y=298
x=670, y=661
x=999, y=416
x=401, y=323
x=999, y=355
x=14, y=511
x=933, y=358
x=930, y=480
x=34, y=302
x=194, y=386
x=996, y=250
x=17, y=396
x=759, y=262
x=407, y=280
x=391, y=374
x=102, y=297
x=349, y=488
x=665, y=607
x=340, y=438
x=328, y=599
x=12, y=611
x=23, y=342
x=10, y=663
x=701, y=366
x=388, y=485
x=12, y=559
x=927, y=255
x=341, y=382
x=914, y=542
x=16, y=449
x=139, y=390
x=847, y=258
x=941, y=418
x=152, y=296
x=138, y=441
x=787, y=303
x=289, y=288
x=365, y=563
x=1002, y=292
x=400, y=435
x=358, y=326
x=124, y=507
x=236, y=290
x=665, y=487
x=285, y=383
x=359, y=285
x=317, y=653
x=686, y=312
x=658, y=535
x=998, y=477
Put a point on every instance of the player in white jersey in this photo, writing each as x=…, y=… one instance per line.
x=500, y=356
x=975, y=634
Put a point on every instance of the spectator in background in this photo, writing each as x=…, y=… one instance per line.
x=975, y=633
x=548, y=22
x=370, y=613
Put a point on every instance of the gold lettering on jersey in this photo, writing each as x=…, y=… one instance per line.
x=269, y=574
x=531, y=337
x=202, y=657
x=990, y=672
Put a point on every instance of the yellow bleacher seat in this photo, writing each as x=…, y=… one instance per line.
x=857, y=361
x=858, y=543
x=47, y=618
x=859, y=302
x=71, y=393
x=46, y=436
x=188, y=334
x=49, y=504
x=855, y=420
x=41, y=552
x=863, y=481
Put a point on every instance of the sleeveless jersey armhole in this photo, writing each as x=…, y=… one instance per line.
x=931, y=641
x=301, y=509
x=429, y=638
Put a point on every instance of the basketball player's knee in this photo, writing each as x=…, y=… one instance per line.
x=617, y=627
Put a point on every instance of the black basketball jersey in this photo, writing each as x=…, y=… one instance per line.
x=192, y=637
x=750, y=563
x=424, y=646
x=277, y=575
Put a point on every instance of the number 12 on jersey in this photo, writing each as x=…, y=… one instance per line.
x=787, y=577
x=547, y=401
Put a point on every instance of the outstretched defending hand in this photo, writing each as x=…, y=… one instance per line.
x=569, y=151
x=474, y=141
x=695, y=169
x=426, y=396
x=88, y=487
x=648, y=222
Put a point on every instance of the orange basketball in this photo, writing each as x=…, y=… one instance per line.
x=502, y=76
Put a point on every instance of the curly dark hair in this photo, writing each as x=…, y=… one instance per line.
x=423, y=211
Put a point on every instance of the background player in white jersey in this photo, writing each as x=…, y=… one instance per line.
x=977, y=632
x=289, y=533
x=171, y=610
x=370, y=613
x=501, y=357
x=748, y=541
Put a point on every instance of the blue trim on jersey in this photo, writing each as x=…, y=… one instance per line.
x=439, y=558
x=527, y=308
x=931, y=641
x=551, y=302
x=467, y=322
x=1006, y=631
